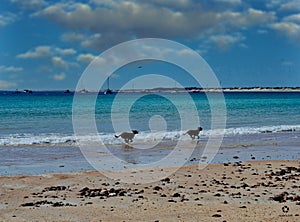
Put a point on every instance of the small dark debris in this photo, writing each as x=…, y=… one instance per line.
x=217, y=215
x=157, y=188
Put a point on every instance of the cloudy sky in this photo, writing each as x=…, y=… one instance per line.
x=48, y=44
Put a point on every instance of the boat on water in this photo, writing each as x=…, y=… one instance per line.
x=16, y=91
x=27, y=91
x=83, y=91
x=108, y=91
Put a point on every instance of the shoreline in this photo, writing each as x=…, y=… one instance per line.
x=168, y=90
x=246, y=191
x=234, y=89
x=70, y=159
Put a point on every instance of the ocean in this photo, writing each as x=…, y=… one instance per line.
x=37, y=135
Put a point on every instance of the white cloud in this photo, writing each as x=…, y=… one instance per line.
x=6, y=84
x=30, y=4
x=289, y=29
x=53, y=55
x=178, y=4
x=92, y=41
x=202, y=49
x=38, y=52
x=59, y=77
x=271, y=4
x=101, y=42
x=4, y=69
x=44, y=69
x=72, y=37
x=243, y=45
x=229, y=1
x=226, y=41
x=7, y=18
x=86, y=58
x=59, y=62
x=257, y=17
x=292, y=18
x=289, y=26
x=262, y=31
x=293, y=5
x=114, y=21
x=65, y=51
x=251, y=17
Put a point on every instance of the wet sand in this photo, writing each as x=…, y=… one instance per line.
x=246, y=191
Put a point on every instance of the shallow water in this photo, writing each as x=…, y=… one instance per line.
x=36, y=131
x=45, y=159
x=45, y=118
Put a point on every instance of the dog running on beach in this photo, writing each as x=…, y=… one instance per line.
x=194, y=133
x=127, y=136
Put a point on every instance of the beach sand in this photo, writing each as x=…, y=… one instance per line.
x=247, y=191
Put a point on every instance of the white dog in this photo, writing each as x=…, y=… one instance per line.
x=127, y=136
x=194, y=133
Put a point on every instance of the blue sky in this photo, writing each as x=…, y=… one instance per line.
x=48, y=44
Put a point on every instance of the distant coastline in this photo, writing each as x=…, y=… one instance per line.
x=229, y=89
x=177, y=90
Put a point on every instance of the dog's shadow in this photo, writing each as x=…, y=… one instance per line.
x=127, y=146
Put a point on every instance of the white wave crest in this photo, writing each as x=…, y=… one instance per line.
x=60, y=139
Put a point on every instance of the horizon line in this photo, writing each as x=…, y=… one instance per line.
x=163, y=88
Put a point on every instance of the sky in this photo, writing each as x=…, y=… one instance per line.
x=47, y=45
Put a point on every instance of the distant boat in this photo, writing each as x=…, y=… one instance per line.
x=83, y=91
x=67, y=91
x=27, y=91
x=16, y=92
x=107, y=91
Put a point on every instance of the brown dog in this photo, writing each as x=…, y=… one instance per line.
x=194, y=133
x=127, y=136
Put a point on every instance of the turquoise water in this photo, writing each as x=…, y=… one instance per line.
x=46, y=117
x=36, y=130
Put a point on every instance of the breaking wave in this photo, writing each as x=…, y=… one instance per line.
x=53, y=139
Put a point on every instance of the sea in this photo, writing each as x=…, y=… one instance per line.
x=37, y=134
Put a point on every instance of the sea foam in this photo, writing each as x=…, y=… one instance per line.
x=51, y=139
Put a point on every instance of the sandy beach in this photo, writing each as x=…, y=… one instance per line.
x=241, y=191
x=149, y=111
